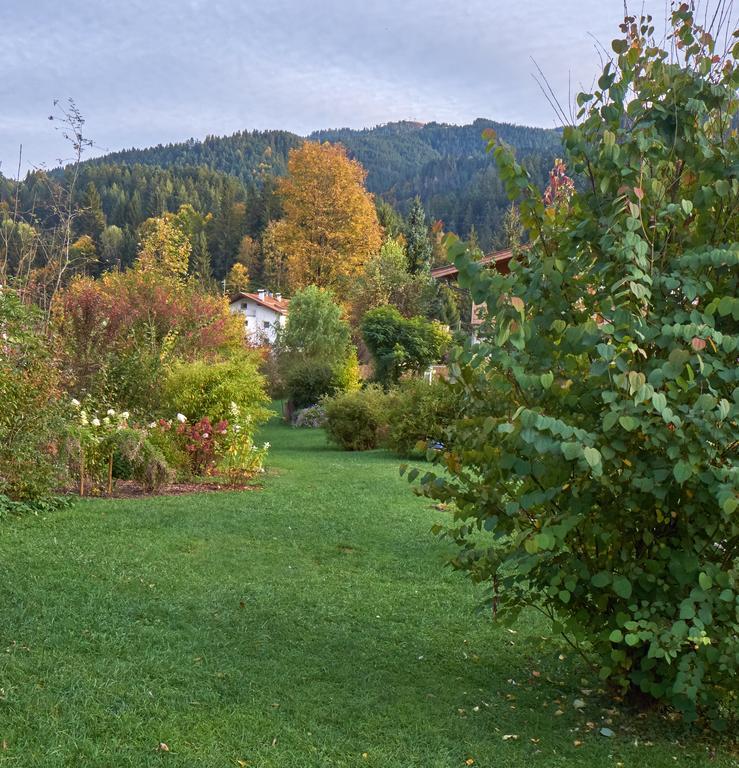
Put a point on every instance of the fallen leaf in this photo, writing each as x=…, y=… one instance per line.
x=578, y=703
x=536, y=674
x=577, y=743
x=606, y=732
x=558, y=712
x=469, y=761
x=510, y=737
x=365, y=755
x=163, y=747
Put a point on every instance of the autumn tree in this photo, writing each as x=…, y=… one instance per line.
x=330, y=226
x=237, y=279
x=165, y=247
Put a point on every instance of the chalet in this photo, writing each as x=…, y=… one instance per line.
x=498, y=260
x=264, y=312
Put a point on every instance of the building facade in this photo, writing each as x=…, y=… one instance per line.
x=263, y=314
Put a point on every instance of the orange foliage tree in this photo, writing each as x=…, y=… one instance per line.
x=330, y=226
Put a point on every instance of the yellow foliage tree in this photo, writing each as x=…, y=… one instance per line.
x=330, y=227
x=237, y=279
x=165, y=248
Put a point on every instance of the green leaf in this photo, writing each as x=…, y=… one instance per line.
x=705, y=581
x=571, y=450
x=616, y=636
x=609, y=420
x=629, y=423
x=601, y=579
x=659, y=401
x=619, y=46
x=682, y=471
x=622, y=587
x=592, y=456
x=547, y=379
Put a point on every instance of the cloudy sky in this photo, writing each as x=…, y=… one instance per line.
x=149, y=71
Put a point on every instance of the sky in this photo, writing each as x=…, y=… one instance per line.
x=145, y=72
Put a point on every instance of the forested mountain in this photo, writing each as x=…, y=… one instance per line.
x=446, y=165
x=229, y=185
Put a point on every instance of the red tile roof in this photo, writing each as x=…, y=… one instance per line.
x=280, y=306
x=499, y=259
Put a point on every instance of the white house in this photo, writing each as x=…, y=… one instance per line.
x=263, y=312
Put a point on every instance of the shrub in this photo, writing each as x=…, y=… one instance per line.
x=201, y=439
x=118, y=334
x=239, y=457
x=594, y=472
x=420, y=413
x=206, y=389
x=32, y=415
x=354, y=420
x=401, y=345
x=139, y=459
x=313, y=416
x=308, y=381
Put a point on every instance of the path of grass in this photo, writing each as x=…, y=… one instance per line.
x=307, y=624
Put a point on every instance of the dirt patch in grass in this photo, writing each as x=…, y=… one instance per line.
x=130, y=489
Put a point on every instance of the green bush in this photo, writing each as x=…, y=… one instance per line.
x=169, y=444
x=594, y=473
x=401, y=345
x=204, y=388
x=307, y=382
x=355, y=420
x=32, y=414
x=137, y=458
x=419, y=414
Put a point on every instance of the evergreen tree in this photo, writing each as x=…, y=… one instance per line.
x=418, y=243
x=91, y=219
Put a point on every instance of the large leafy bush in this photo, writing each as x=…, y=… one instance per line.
x=594, y=474
x=354, y=420
x=400, y=344
x=32, y=418
x=419, y=414
x=208, y=388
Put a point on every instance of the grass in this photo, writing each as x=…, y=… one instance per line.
x=307, y=624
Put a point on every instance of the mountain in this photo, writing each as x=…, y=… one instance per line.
x=446, y=165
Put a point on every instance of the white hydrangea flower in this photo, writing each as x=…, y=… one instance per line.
x=75, y=402
x=181, y=418
x=152, y=425
x=95, y=422
x=111, y=412
x=125, y=415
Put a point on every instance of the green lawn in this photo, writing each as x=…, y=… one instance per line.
x=307, y=624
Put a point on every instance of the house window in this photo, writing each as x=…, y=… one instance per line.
x=265, y=323
x=244, y=305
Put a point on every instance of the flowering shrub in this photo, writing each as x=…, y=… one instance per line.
x=201, y=441
x=240, y=457
x=313, y=416
x=93, y=449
